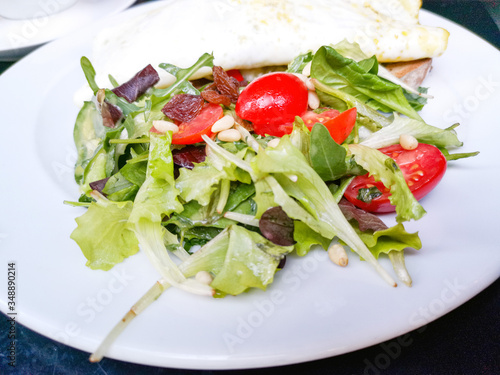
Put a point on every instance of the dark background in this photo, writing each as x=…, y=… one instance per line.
x=465, y=341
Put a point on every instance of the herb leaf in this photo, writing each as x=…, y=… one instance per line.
x=327, y=156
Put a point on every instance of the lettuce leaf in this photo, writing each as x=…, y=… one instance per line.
x=103, y=235
x=307, y=238
x=360, y=80
x=389, y=135
x=318, y=208
x=239, y=258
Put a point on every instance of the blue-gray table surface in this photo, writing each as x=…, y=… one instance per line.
x=465, y=341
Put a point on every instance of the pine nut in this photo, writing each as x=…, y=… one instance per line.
x=100, y=96
x=408, y=142
x=307, y=69
x=166, y=79
x=312, y=100
x=163, y=126
x=229, y=135
x=273, y=142
x=204, y=277
x=310, y=85
x=337, y=255
x=224, y=123
x=307, y=81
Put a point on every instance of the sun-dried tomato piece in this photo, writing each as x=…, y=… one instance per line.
x=138, y=84
x=226, y=85
x=110, y=114
x=186, y=156
x=213, y=96
x=183, y=107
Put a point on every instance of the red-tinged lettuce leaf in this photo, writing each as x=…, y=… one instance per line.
x=366, y=220
x=277, y=226
x=99, y=185
x=187, y=156
x=375, y=234
x=138, y=84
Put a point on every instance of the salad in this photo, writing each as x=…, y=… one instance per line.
x=218, y=180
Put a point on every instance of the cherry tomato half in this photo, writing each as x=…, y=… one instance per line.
x=271, y=100
x=422, y=169
x=190, y=132
x=338, y=124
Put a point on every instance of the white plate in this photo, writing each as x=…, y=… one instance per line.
x=19, y=37
x=313, y=310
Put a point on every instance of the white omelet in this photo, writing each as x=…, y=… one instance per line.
x=248, y=34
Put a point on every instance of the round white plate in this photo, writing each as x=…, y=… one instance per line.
x=19, y=37
x=313, y=310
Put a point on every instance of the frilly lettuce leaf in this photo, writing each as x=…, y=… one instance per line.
x=287, y=171
x=393, y=238
x=103, y=235
x=239, y=259
x=306, y=238
x=203, y=180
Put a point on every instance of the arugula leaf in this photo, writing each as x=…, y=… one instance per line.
x=182, y=84
x=89, y=72
x=298, y=64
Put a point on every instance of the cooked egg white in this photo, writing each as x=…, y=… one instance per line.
x=249, y=34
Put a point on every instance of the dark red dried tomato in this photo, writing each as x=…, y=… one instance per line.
x=110, y=114
x=186, y=156
x=138, y=84
x=226, y=85
x=183, y=107
x=215, y=97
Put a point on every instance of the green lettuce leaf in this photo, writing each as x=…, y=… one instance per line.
x=307, y=238
x=103, y=235
x=389, y=135
x=327, y=156
x=360, y=80
x=88, y=135
x=240, y=259
x=394, y=238
x=318, y=208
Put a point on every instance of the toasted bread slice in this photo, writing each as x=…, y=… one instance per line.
x=413, y=72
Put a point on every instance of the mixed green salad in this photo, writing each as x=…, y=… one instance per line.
x=218, y=215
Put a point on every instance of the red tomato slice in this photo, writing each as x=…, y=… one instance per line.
x=338, y=124
x=341, y=126
x=272, y=100
x=422, y=169
x=190, y=132
x=235, y=73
